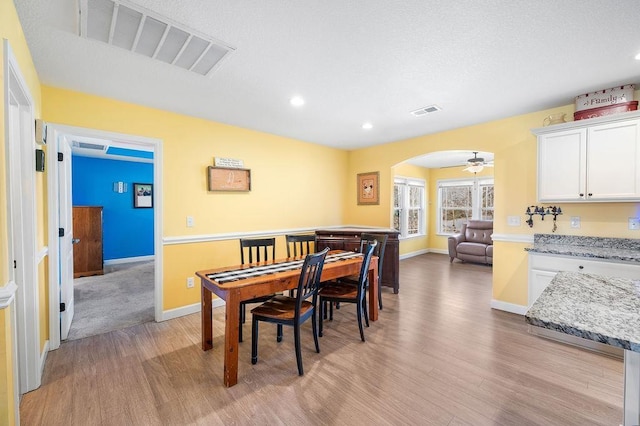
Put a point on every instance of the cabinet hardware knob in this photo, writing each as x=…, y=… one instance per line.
x=589, y=194
x=582, y=194
x=580, y=267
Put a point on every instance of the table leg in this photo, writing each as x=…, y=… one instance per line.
x=232, y=317
x=373, y=290
x=206, y=318
x=631, y=388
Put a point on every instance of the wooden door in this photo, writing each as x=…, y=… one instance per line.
x=87, y=234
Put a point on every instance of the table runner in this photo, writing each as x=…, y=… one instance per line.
x=287, y=265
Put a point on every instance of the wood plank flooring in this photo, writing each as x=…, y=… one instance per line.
x=439, y=355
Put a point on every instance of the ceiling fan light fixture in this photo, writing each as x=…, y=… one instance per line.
x=474, y=168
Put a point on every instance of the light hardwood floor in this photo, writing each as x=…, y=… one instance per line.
x=439, y=355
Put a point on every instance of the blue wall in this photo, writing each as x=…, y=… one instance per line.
x=126, y=231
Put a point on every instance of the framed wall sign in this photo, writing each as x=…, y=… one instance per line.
x=368, y=188
x=228, y=179
x=142, y=195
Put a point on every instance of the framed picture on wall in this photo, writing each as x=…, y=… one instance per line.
x=368, y=188
x=142, y=195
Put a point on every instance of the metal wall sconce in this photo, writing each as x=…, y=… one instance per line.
x=543, y=211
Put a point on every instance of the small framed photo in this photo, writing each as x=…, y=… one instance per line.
x=228, y=179
x=368, y=188
x=142, y=195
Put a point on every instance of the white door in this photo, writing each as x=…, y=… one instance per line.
x=66, y=240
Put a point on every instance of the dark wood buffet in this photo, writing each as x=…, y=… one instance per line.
x=349, y=239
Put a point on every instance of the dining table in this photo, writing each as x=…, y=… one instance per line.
x=237, y=283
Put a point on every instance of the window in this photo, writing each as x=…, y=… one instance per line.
x=463, y=199
x=409, y=207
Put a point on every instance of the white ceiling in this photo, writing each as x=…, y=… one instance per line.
x=355, y=61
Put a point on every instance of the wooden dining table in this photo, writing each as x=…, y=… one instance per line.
x=237, y=283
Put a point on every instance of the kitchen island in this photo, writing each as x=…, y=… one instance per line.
x=599, y=308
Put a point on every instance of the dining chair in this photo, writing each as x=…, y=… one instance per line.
x=299, y=245
x=342, y=292
x=292, y=311
x=255, y=250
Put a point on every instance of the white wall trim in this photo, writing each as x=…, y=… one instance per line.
x=129, y=260
x=42, y=254
x=439, y=251
x=508, y=307
x=43, y=357
x=188, y=310
x=513, y=238
x=190, y=239
x=7, y=294
x=414, y=254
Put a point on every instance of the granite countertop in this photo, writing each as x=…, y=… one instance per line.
x=622, y=249
x=594, y=307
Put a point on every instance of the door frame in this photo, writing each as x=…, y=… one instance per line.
x=27, y=350
x=54, y=133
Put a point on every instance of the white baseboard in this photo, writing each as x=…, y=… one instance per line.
x=129, y=260
x=43, y=359
x=188, y=310
x=413, y=254
x=508, y=307
x=439, y=251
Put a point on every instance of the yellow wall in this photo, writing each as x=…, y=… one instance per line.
x=11, y=30
x=293, y=184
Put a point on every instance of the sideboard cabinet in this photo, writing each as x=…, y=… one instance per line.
x=593, y=160
x=349, y=239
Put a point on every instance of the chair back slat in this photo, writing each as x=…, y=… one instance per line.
x=367, y=238
x=309, y=282
x=257, y=249
x=299, y=245
x=363, y=278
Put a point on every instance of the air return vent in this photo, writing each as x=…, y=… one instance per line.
x=134, y=28
x=87, y=145
x=426, y=110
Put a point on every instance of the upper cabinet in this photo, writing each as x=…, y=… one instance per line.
x=594, y=160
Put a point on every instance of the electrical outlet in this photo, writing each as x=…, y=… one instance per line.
x=513, y=220
x=190, y=222
x=634, y=223
x=575, y=221
x=190, y=282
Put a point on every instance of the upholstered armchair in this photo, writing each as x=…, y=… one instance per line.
x=473, y=243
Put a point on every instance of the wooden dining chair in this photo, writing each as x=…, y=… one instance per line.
x=342, y=292
x=255, y=250
x=300, y=245
x=292, y=311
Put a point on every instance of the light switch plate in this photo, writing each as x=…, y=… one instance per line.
x=190, y=282
x=190, y=221
x=634, y=223
x=575, y=221
x=513, y=220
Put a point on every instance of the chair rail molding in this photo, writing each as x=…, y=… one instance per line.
x=513, y=238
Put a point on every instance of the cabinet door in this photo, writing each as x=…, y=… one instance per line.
x=561, y=165
x=538, y=281
x=613, y=161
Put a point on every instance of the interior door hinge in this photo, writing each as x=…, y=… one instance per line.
x=60, y=156
x=60, y=232
x=63, y=307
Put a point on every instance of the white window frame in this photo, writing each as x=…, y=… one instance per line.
x=405, y=183
x=476, y=197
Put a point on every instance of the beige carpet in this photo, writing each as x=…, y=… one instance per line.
x=120, y=298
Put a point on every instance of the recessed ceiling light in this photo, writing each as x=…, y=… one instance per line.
x=367, y=126
x=297, y=101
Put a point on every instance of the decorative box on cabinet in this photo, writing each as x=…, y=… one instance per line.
x=349, y=239
x=87, y=235
x=594, y=160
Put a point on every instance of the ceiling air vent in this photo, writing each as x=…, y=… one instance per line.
x=134, y=28
x=87, y=145
x=426, y=110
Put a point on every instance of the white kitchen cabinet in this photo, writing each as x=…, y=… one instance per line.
x=543, y=267
x=595, y=160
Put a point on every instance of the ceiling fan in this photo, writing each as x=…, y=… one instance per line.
x=476, y=164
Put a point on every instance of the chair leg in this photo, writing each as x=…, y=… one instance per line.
x=242, y=319
x=379, y=295
x=296, y=338
x=323, y=314
x=365, y=311
x=314, y=328
x=254, y=341
x=359, y=314
x=331, y=310
x=279, y=332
